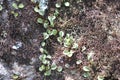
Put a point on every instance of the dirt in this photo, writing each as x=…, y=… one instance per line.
x=95, y=23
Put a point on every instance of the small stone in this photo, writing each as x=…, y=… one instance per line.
x=17, y=45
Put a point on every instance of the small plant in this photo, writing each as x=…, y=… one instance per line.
x=42, y=68
x=60, y=38
x=78, y=62
x=21, y=5
x=86, y=74
x=68, y=53
x=15, y=77
x=45, y=35
x=86, y=68
x=47, y=73
x=68, y=40
x=100, y=77
x=90, y=55
x=15, y=5
x=14, y=13
x=53, y=66
x=46, y=24
x=36, y=9
x=61, y=33
x=58, y=5
x=67, y=4
x=56, y=13
x=51, y=19
x=43, y=44
x=59, y=68
x=40, y=20
x=75, y=46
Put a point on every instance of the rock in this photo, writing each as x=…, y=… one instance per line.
x=4, y=73
x=3, y=70
x=24, y=71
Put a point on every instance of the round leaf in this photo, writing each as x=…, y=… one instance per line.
x=86, y=74
x=47, y=73
x=86, y=68
x=46, y=36
x=59, y=39
x=43, y=44
x=40, y=20
x=15, y=5
x=61, y=33
x=78, y=62
x=21, y=5
x=57, y=5
x=53, y=66
x=100, y=78
x=59, y=69
x=42, y=68
x=54, y=32
x=67, y=4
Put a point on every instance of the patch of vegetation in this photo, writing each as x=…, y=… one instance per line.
x=17, y=6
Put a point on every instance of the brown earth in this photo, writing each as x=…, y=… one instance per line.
x=96, y=23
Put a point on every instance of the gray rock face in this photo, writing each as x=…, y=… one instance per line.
x=23, y=71
x=4, y=73
x=3, y=70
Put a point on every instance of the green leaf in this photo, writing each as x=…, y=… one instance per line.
x=21, y=5
x=53, y=66
x=40, y=20
x=43, y=44
x=36, y=9
x=46, y=24
x=86, y=68
x=41, y=50
x=45, y=61
x=68, y=53
x=42, y=57
x=47, y=73
x=15, y=77
x=86, y=74
x=90, y=55
x=49, y=31
x=49, y=56
x=51, y=19
x=56, y=12
x=46, y=36
x=41, y=12
x=61, y=33
x=59, y=68
x=60, y=39
x=100, y=78
x=1, y=7
x=67, y=4
x=16, y=14
x=42, y=68
x=75, y=46
x=15, y=5
x=68, y=40
x=58, y=5
x=47, y=67
x=78, y=62
x=54, y=32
